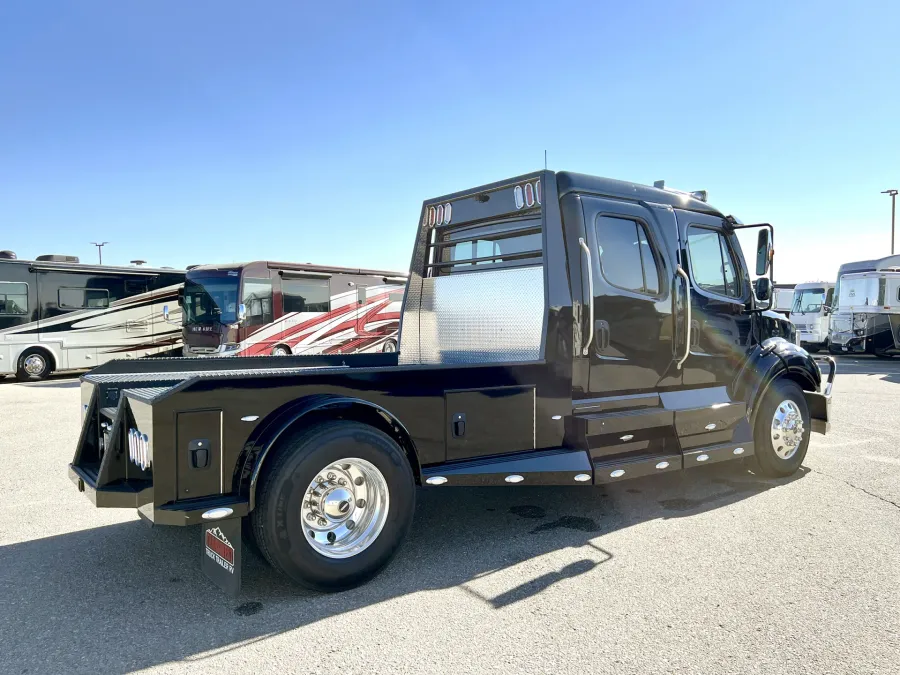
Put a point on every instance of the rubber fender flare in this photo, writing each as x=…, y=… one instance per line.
x=278, y=424
x=773, y=359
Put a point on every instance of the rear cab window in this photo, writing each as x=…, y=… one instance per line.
x=628, y=259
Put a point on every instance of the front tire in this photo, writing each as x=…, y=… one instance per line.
x=781, y=435
x=281, y=350
x=335, y=506
x=34, y=365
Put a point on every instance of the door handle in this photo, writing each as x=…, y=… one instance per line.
x=601, y=329
x=687, y=303
x=587, y=253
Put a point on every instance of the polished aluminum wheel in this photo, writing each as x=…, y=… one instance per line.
x=281, y=351
x=345, y=508
x=389, y=347
x=787, y=429
x=35, y=364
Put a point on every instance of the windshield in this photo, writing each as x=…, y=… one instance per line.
x=808, y=300
x=211, y=299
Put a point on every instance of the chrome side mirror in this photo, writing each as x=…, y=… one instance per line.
x=763, y=252
x=165, y=312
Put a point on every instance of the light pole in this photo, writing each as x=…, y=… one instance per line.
x=893, y=194
x=100, y=246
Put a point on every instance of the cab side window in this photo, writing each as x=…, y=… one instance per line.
x=713, y=266
x=628, y=259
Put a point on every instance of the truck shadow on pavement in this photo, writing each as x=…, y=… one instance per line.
x=123, y=597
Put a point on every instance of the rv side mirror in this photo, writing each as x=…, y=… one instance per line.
x=166, y=312
x=763, y=252
x=181, y=297
x=763, y=289
x=242, y=312
x=361, y=294
x=827, y=310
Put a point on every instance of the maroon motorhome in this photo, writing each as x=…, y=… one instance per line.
x=267, y=308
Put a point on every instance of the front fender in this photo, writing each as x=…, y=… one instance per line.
x=775, y=358
x=267, y=434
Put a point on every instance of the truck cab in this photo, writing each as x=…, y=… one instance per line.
x=811, y=314
x=557, y=329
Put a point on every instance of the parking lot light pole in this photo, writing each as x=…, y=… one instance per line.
x=893, y=194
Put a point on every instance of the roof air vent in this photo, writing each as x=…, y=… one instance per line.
x=53, y=257
x=7, y=255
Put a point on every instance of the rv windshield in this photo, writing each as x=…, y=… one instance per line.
x=211, y=298
x=808, y=300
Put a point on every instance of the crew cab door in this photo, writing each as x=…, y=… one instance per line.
x=720, y=327
x=633, y=268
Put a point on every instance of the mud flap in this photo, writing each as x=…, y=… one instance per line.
x=221, y=554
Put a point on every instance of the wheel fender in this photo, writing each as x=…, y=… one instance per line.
x=46, y=347
x=278, y=424
x=773, y=359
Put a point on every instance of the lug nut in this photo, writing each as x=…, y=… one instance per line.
x=360, y=503
x=350, y=524
x=331, y=476
x=310, y=516
x=359, y=480
x=319, y=479
x=323, y=522
x=342, y=482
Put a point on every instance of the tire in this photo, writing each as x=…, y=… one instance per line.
x=280, y=520
x=34, y=365
x=784, y=398
x=389, y=347
x=281, y=350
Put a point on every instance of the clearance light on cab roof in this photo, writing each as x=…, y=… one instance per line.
x=528, y=195
x=439, y=215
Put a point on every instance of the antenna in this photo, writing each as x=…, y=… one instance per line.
x=545, y=160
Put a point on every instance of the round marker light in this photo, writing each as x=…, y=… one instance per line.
x=439, y=218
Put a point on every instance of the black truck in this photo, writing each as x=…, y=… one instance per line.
x=557, y=329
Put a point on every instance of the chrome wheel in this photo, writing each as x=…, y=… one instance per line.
x=35, y=365
x=280, y=351
x=345, y=507
x=389, y=347
x=787, y=429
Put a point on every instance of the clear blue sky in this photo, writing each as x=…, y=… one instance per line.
x=207, y=131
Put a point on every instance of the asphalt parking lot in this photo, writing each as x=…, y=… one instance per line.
x=712, y=571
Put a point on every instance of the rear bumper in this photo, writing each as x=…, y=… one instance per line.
x=819, y=403
x=125, y=496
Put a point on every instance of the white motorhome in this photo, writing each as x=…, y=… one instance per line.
x=866, y=313
x=57, y=313
x=811, y=313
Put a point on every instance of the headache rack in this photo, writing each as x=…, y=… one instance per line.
x=496, y=228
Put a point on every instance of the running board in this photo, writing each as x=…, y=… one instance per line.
x=563, y=466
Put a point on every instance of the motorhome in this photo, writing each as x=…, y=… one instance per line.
x=57, y=313
x=811, y=313
x=783, y=298
x=266, y=308
x=866, y=314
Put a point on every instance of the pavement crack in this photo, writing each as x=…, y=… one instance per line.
x=857, y=487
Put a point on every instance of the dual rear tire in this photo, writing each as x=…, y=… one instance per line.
x=335, y=505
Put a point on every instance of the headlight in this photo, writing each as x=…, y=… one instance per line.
x=230, y=346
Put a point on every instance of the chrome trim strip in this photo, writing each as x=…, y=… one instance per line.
x=587, y=252
x=687, y=331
